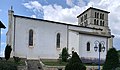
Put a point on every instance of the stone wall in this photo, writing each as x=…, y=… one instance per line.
x=93, y=67
x=54, y=68
x=22, y=68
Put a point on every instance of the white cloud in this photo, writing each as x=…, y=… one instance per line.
x=3, y=43
x=69, y=2
x=33, y=16
x=75, y=3
x=63, y=15
x=34, y=5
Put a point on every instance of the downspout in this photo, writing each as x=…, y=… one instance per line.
x=67, y=36
x=14, y=36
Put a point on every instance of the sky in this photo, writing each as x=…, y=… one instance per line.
x=61, y=11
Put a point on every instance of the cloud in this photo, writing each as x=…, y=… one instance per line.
x=62, y=15
x=33, y=16
x=75, y=3
x=3, y=43
x=69, y=2
x=33, y=5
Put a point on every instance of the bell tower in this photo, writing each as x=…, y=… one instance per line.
x=94, y=18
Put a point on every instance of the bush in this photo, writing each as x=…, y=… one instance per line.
x=112, y=60
x=7, y=65
x=16, y=59
x=8, y=50
x=64, y=55
x=75, y=63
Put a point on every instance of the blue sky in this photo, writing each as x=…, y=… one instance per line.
x=60, y=10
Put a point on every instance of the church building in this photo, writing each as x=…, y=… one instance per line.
x=34, y=38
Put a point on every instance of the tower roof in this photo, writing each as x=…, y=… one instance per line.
x=93, y=9
x=1, y=25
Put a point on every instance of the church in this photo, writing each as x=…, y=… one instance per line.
x=34, y=38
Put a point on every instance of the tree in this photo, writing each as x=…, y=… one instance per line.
x=8, y=50
x=75, y=63
x=65, y=55
x=112, y=60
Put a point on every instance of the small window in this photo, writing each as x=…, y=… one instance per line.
x=31, y=37
x=58, y=40
x=101, y=23
x=102, y=16
x=86, y=16
x=88, y=46
x=82, y=19
x=97, y=22
x=97, y=15
x=100, y=47
x=94, y=21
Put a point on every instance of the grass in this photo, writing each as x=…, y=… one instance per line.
x=54, y=63
x=10, y=64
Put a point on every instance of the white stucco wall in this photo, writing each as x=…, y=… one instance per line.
x=83, y=39
x=44, y=39
x=73, y=42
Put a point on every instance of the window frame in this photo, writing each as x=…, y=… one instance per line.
x=58, y=37
x=31, y=36
x=88, y=46
x=95, y=22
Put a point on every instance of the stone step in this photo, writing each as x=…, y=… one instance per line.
x=34, y=65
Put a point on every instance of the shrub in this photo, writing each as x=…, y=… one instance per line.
x=112, y=60
x=75, y=63
x=8, y=50
x=7, y=65
x=16, y=59
x=64, y=55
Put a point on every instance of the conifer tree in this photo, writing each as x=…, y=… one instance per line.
x=8, y=50
x=75, y=63
x=65, y=54
x=112, y=60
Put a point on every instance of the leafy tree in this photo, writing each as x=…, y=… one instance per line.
x=75, y=63
x=112, y=60
x=65, y=54
x=8, y=50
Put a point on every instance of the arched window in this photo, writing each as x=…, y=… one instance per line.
x=94, y=21
x=58, y=40
x=97, y=22
x=88, y=46
x=101, y=23
x=31, y=37
x=100, y=47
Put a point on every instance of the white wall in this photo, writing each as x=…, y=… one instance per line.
x=44, y=39
x=73, y=42
x=83, y=47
